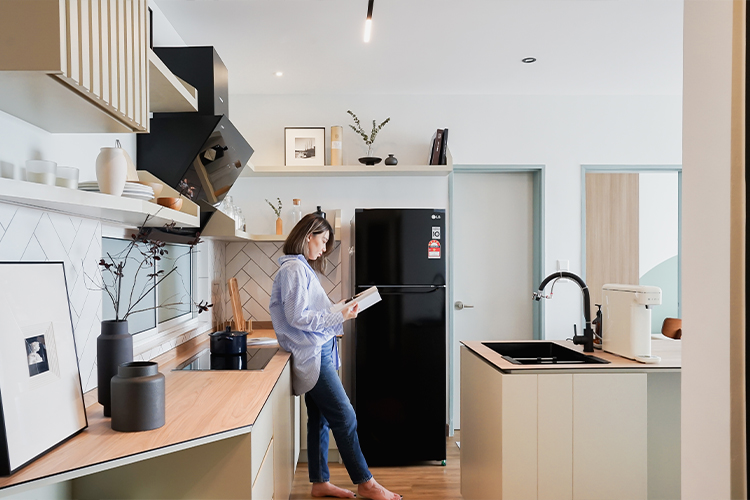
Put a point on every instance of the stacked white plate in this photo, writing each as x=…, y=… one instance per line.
x=132, y=190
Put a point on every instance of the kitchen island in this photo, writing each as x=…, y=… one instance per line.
x=228, y=434
x=558, y=432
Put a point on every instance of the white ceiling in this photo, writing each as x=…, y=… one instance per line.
x=582, y=47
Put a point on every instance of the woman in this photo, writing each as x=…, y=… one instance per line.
x=304, y=325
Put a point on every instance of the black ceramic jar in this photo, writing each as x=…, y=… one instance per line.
x=138, y=398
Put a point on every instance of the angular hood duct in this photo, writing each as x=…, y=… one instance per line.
x=204, y=147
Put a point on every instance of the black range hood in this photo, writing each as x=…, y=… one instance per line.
x=204, y=147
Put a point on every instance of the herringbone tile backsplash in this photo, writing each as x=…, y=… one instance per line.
x=255, y=264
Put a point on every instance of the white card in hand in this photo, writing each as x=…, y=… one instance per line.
x=365, y=299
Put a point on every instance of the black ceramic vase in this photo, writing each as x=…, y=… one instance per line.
x=137, y=397
x=113, y=347
x=391, y=160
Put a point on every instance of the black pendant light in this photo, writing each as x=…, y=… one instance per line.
x=368, y=22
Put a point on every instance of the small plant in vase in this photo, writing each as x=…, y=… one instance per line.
x=277, y=211
x=369, y=139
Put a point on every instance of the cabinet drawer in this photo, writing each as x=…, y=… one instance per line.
x=261, y=436
x=263, y=485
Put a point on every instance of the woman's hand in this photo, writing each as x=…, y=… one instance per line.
x=351, y=312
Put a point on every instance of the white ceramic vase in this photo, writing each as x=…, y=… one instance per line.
x=111, y=171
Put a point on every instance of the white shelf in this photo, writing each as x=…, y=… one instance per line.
x=346, y=170
x=113, y=210
x=282, y=237
x=169, y=93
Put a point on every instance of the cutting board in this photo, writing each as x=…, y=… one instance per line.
x=234, y=297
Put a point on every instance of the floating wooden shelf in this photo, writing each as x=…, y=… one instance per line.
x=169, y=93
x=114, y=210
x=346, y=170
x=282, y=237
x=222, y=227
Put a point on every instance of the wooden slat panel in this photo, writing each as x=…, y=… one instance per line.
x=137, y=61
x=129, y=79
x=84, y=46
x=121, y=61
x=74, y=52
x=95, y=48
x=611, y=232
x=145, y=44
x=104, y=50
x=114, y=62
x=63, y=27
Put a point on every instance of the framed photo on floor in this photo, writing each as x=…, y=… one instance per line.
x=304, y=146
x=41, y=397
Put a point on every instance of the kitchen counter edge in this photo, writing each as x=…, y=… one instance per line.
x=670, y=352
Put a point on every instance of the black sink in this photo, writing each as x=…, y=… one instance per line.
x=541, y=353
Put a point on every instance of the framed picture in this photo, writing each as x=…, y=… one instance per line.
x=41, y=397
x=304, y=146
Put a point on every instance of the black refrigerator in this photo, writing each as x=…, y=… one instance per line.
x=400, y=342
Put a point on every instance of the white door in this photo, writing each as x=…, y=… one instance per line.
x=492, y=233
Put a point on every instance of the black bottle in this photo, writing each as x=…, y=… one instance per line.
x=319, y=212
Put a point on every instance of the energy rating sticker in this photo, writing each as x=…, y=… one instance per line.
x=433, y=249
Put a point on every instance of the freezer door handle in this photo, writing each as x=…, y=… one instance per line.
x=414, y=291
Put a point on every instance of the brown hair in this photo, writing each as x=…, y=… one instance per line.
x=296, y=242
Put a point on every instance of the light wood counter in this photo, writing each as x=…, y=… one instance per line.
x=670, y=352
x=201, y=407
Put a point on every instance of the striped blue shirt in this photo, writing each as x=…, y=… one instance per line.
x=300, y=312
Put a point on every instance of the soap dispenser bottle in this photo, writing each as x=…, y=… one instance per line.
x=598, y=327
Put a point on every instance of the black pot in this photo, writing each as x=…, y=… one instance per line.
x=228, y=343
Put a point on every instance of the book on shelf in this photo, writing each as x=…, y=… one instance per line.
x=437, y=141
x=444, y=148
x=365, y=299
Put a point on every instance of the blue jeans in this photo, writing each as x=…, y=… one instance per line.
x=328, y=407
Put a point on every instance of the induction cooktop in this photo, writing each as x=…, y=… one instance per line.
x=256, y=359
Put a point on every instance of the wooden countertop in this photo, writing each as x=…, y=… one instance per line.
x=201, y=407
x=670, y=352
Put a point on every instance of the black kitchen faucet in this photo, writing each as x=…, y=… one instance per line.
x=587, y=339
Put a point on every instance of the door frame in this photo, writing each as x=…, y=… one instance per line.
x=634, y=169
x=538, y=206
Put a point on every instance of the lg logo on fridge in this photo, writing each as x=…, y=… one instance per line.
x=435, y=216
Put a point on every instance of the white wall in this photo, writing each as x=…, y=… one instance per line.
x=560, y=132
x=658, y=219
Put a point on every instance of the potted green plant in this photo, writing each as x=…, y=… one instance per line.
x=369, y=139
x=277, y=211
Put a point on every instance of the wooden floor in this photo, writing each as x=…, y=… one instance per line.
x=414, y=482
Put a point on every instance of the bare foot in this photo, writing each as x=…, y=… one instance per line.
x=330, y=490
x=372, y=490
